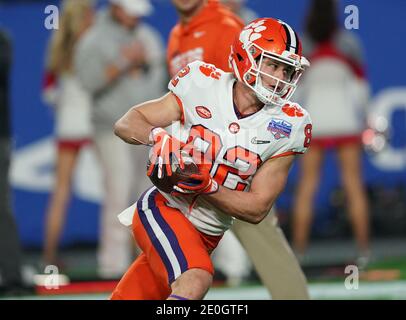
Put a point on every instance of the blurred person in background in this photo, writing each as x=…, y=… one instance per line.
x=120, y=61
x=72, y=106
x=240, y=9
x=335, y=92
x=196, y=37
x=11, y=279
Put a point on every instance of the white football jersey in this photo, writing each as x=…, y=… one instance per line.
x=232, y=146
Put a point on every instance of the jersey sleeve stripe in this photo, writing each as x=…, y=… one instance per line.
x=285, y=154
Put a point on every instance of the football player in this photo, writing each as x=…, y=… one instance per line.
x=243, y=132
x=196, y=37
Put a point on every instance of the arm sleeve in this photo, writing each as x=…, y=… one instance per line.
x=299, y=139
x=181, y=83
x=195, y=80
x=185, y=84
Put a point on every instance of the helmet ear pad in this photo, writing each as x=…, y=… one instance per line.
x=255, y=53
x=242, y=63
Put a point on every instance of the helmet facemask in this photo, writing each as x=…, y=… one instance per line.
x=281, y=90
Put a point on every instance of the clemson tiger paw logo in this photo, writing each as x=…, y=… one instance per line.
x=292, y=111
x=210, y=71
x=252, y=32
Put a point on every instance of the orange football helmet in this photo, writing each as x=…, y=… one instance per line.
x=270, y=39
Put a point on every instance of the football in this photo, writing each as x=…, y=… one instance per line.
x=166, y=183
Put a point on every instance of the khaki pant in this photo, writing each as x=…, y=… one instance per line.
x=123, y=169
x=272, y=257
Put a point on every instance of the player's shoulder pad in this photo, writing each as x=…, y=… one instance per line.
x=197, y=74
x=296, y=112
x=302, y=127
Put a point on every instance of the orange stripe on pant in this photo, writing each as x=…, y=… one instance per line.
x=170, y=244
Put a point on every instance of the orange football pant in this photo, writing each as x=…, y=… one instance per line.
x=170, y=245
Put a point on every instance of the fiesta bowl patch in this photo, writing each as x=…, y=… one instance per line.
x=280, y=128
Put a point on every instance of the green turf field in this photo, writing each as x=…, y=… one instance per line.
x=383, y=279
x=387, y=290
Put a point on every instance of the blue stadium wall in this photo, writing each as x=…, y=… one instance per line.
x=381, y=30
